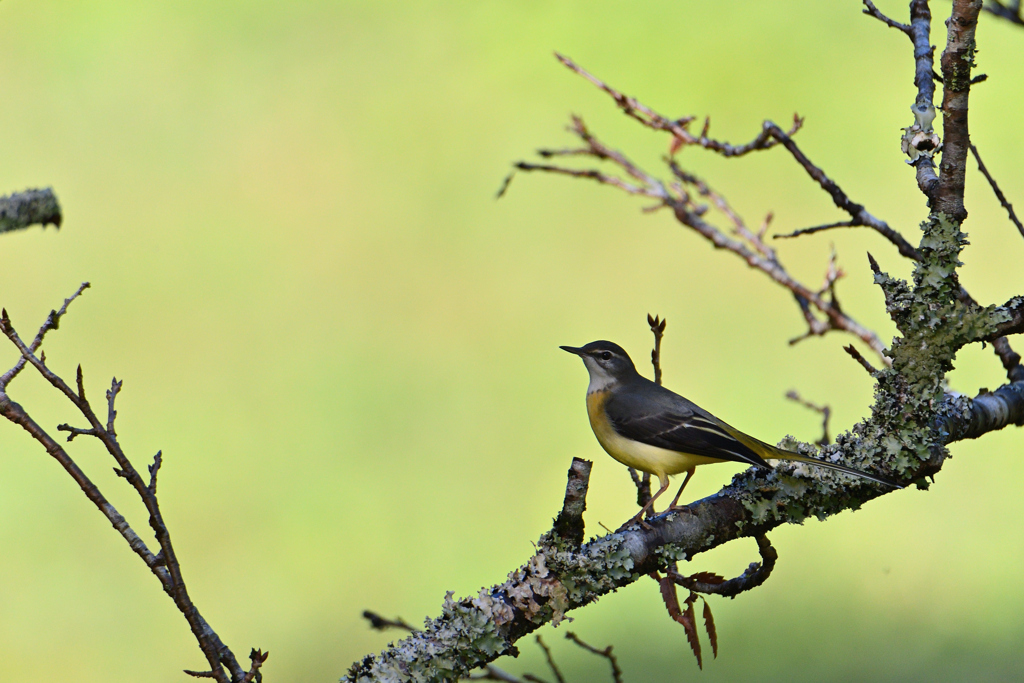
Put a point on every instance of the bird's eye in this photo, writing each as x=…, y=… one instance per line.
x=606, y=355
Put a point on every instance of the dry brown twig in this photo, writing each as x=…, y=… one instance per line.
x=999, y=193
x=164, y=564
x=679, y=196
x=606, y=653
x=823, y=410
x=1006, y=10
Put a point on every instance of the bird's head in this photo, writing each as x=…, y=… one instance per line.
x=606, y=362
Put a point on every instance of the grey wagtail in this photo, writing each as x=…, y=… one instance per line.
x=647, y=427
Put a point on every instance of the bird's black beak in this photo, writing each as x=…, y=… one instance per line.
x=572, y=349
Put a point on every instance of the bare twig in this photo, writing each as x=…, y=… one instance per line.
x=752, y=247
x=493, y=673
x=658, y=329
x=75, y=431
x=677, y=127
x=852, y=350
x=814, y=229
x=755, y=575
x=858, y=214
x=606, y=653
x=551, y=662
x=825, y=412
x=153, y=469
x=112, y=392
x=52, y=322
x=873, y=11
x=643, y=482
x=919, y=32
x=257, y=658
x=31, y=207
x=164, y=565
x=1006, y=10
x=995, y=188
x=379, y=623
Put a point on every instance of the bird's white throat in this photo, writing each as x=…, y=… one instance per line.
x=599, y=377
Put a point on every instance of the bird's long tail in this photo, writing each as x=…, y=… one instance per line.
x=769, y=452
x=779, y=454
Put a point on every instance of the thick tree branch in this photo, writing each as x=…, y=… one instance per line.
x=911, y=423
x=957, y=61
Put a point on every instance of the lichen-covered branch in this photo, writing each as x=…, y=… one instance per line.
x=569, y=523
x=31, y=207
x=479, y=629
x=912, y=420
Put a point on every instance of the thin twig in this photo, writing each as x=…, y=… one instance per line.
x=112, y=392
x=677, y=198
x=606, y=653
x=52, y=322
x=678, y=127
x=825, y=412
x=873, y=11
x=658, y=329
x=755, y=575
x=153, y=469
x=75, y=431
x=550, y=660
x=643, y=486
x=858, y=214
x=814, y=229
x=257, y=659
x=379, y=623
x=1009, y=11
x=163, y=565
x=493, y=673
x=919, y=32
x=995, y=188
x=852, y=350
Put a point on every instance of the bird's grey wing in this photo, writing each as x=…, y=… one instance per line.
x=658, y=417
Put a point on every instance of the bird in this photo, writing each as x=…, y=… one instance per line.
x=647, y=427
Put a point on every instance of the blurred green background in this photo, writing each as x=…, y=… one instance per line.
x=348, y=350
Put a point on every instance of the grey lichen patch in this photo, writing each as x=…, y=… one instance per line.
x=473, y=631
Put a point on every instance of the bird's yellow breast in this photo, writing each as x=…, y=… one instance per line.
x=660, y=462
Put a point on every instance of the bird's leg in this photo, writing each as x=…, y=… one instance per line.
x=639, y=517
x=689, y=473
